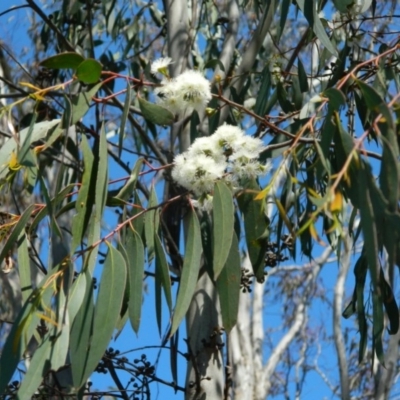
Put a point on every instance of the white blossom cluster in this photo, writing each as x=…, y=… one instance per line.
x=227, y=155
x=187, y=92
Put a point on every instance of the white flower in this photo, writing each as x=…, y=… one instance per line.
x=249, y=103
x=227, y=155
x=160, y=66
x=205, y=203
x=227, y=137
x=197, y=174
x=205, y=145
x=168, y=97
x=187, y=92
x=194, y=89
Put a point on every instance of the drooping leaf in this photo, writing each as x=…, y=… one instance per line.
x=100, y=198
x=256, y=225
x=81, y=332
x=151, y=222
x=24, y=267
x=228, y=287
x=223, y=222
x=156, y=114
x=81, y=103
x=162, y=270
x=135, y=262
x=309, y=9
x=89, y=71
x=68, y=60
x=263, y=94
x=127, y=190
x=39, y=366
x=190, y=271
x=124, y=117
x=108, y=304
x=303, y=80
x=85, y=201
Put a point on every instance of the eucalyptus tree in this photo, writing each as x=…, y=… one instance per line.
x=206, y=145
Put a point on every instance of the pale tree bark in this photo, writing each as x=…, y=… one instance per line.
x=205, y=372
x=337, y=318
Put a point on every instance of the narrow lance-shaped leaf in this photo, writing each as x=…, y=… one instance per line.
x=151, y=222
x=81, y=330
x=162, y=270
x=156, y=114
x=127, y=190
x=223, y=222
x=308, y=7
x=101, y=185
x=124, y=117
x=24, y=267
x=135, y=262
x=38, y=368
x=228, y=286
x=256, y=226
x=83, y=204
x=190, y=271
x=108, y=304
x=62, y=61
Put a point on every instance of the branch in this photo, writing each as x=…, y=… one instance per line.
x=337, y=316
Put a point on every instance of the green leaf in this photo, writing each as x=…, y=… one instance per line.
x=190, y=271
x=309, y=9
x=336, y=99
x=135, y=262
x=77, y=296
x=38, y=368
x=84, y=201
x=228, y=287
x=38, y=132
x=223, y=222
x=151, y=222
x=303, y=79
x=284, y=6
x=255, y=224
x=156, y=114
x=344, y=5
x=360, y=273
x=81, y=103
x=24, y=267
x=162, y=270
x=81, y=332
x=89, y=71
x=68, y=60
x=127, y=190
x=263, y=94
x=100, y=199
x=124, y=117
x=213, y=63
x=108, y=305
x=14, y=347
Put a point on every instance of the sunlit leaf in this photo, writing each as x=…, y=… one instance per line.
x=156, y=114
x=228, y=286
x=89, y=71
x=223, y=221
x=190, y=271
x=108, y=304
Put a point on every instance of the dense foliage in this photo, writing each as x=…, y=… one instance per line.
x=271, y=130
